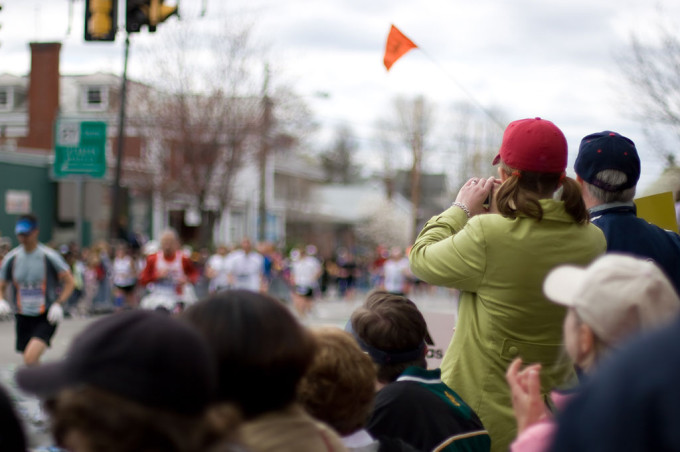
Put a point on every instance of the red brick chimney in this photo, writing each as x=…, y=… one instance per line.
x=43, y=95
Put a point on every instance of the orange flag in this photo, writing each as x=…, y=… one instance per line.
x=397, y=45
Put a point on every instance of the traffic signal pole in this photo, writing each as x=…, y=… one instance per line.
x=116, y=192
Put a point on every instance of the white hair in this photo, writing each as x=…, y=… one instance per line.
x=611, y=177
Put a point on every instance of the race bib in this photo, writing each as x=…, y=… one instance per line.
x=165, y=287
x=31, y=300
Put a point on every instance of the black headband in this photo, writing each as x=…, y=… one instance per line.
x=382, y=357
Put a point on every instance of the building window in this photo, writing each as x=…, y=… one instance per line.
x=95, y=98
x=6, y=98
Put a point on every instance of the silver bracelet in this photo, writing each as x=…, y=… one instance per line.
x=462, y=206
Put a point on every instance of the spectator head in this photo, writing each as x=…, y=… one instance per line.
x=262, y=350
x=138, y=380
x=533, y=159
x=395, y=252
x=609, y=166
x=339, y=386
x=12, y=436
x=392, y=330
x=612, y=299
x=310, y=250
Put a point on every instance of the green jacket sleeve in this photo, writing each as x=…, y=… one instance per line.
x=450, y=251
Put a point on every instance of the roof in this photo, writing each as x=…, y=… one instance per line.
x=668, y=181
x=350, y=204
x=292, y=164
x=13, y=80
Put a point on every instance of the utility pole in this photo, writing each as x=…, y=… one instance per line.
x=417, y=145
x=265, y=144
x=116, y=195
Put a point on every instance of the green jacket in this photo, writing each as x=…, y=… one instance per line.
x=499, y=264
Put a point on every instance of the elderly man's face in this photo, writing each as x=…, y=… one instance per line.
x=169, y=244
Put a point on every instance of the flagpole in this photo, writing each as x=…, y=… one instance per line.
x=464, y=90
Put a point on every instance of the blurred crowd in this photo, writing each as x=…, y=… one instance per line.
x=108, y=274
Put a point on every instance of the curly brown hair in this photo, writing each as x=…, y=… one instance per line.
x=339, y=386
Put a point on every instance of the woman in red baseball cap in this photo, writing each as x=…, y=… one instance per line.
x=498, y=256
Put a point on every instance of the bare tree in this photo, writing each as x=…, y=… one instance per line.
x=414, y=121
x=385, y=226
x=337, y=161
x=652, y=70
x=388, y=149
x=204, y=117
x=474, y=141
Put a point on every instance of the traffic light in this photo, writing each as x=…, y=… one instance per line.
x=146, y=12
x=100, y=20
x=158, y=12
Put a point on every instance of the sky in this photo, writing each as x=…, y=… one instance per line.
x=553, y=59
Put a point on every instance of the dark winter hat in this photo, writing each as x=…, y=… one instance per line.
x=144, y=356
x=535, y=145
x=607, y=150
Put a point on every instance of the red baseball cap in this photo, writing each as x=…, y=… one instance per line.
x=533, y=144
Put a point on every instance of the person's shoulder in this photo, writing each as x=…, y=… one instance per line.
x=13, y=253
x=50, y=253
x=594, y=231
x=401, y=391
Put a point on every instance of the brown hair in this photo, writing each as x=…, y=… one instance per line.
x=110, y=423
x=522, y=191
x=262, y=350
x=339, y=386
x=391, y=323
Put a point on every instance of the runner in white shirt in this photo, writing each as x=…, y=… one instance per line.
x=306, y=270
x=246, y=267
x=396, y=270
x=124, y=277
x=217, y=269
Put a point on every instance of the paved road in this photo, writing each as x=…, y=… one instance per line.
x=326, y=312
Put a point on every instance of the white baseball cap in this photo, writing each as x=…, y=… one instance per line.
x=617, y=295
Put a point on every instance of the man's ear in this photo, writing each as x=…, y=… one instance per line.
x=586, y=341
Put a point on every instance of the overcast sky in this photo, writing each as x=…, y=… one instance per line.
x=549, y=58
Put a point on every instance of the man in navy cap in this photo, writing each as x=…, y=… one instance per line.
x=608, y=169
x=39, y=282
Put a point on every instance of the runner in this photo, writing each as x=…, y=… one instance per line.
x=39, y=284
x=246, y=267
x=306, y=271
x=124, y=278
x=397, y=272
x=168, y=275
x=217, y=269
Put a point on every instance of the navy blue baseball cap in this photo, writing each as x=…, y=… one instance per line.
x=607, y=150
x=25, y=226
x=145, y=356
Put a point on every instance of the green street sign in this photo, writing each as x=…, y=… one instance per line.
x=80, y=148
